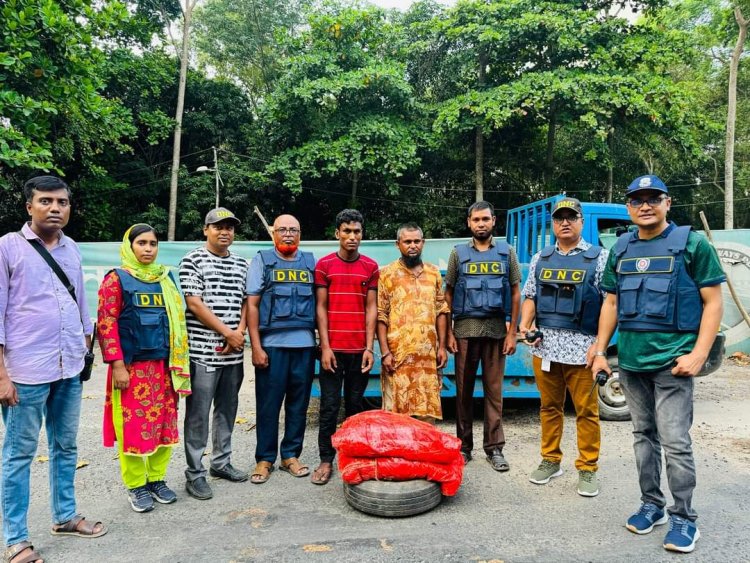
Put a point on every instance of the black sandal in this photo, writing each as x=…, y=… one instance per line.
x=497, y=461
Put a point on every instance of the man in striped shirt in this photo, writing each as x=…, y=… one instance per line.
x=346, y=284
x=213, y=281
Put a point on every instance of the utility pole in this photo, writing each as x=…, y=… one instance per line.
x=216, y=175
x=215, y=170
x=734, y=64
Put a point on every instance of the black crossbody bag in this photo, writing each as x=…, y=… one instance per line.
x=88, y=359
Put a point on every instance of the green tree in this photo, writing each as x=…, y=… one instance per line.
x=556, y=67
x=242, y=39
x=50, y=89
x=342, y=108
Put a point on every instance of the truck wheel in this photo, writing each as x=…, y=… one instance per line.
x=612, y=405
x=393, y=499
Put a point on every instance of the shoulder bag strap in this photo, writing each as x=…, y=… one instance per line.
x=52, y=263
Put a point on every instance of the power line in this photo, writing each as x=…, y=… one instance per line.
x=708, y=202
x=150, y=166
x=386, y=200
x=247, y=156
x=690, y=184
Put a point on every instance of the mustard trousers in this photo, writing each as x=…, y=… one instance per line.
x=553, y=387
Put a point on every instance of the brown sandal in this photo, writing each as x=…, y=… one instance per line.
x=73, y=527
x=294, y=467
x=322, y=475
x=262, y=472
x=11, y=554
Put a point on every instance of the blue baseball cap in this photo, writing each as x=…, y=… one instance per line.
x=649, y=182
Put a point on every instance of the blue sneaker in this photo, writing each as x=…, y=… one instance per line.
x=648, y=516
x=160, y=492
x=682, y=535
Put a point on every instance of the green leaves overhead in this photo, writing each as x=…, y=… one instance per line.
x=342, y=104
x=50, y=81
x=588, y=68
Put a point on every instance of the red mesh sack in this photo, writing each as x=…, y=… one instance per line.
x=386, y=434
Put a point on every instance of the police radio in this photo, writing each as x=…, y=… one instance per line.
x=531, y=336
x=600, y=380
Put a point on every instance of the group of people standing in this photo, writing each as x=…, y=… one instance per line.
x=659, y=286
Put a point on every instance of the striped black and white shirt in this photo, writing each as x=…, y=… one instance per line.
x=220, y=283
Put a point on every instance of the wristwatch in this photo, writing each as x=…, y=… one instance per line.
x=600, y=353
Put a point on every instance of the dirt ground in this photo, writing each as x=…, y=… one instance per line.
x=494, y=517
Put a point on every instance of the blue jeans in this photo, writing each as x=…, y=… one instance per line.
x=287, y=379
x=661, y=406
x=59, y=404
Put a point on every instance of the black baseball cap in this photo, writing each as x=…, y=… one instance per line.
x=220, y=214
x=567, y=203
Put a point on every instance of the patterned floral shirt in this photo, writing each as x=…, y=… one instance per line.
x=561, y=345
x=409, y=305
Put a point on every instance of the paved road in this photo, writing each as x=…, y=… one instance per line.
x=494, y=517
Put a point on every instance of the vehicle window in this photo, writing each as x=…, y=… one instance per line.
x=610, y=229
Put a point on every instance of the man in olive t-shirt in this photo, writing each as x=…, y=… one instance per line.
x=664, y=294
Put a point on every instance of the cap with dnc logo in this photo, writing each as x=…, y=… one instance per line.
x=649, y=182
x=567, y=203
x=220, y=214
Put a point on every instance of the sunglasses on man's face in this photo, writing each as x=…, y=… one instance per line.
x=655, y=201
x=559, y=220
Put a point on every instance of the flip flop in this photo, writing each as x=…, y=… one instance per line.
x=70, y=528
x=262, y=472
x=294, y=467
x=321, y=476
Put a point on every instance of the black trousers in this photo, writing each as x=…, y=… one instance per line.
x=348, y=374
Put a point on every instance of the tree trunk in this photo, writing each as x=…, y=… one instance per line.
x=355, y=182
x=479, y=164
x=734, y=64
x=611, y=167
x=549, y=160
x=187, y=14
x=479, y=136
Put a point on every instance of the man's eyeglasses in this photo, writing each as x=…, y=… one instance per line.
x=561, y=220
x=655, y=201
x=285, y=231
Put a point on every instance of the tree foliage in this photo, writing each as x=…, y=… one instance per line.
x=314, y=106
x=50, y=83
x=342, y=107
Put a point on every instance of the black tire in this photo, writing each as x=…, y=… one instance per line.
x=612, y=405
x=393, y=499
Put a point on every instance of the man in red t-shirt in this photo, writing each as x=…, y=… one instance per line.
x=346, y=285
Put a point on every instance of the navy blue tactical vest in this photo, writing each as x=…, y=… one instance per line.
x=482, y=290
x=288, y=300
x=566, y=296
x=143, y=322
x=654, y=291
